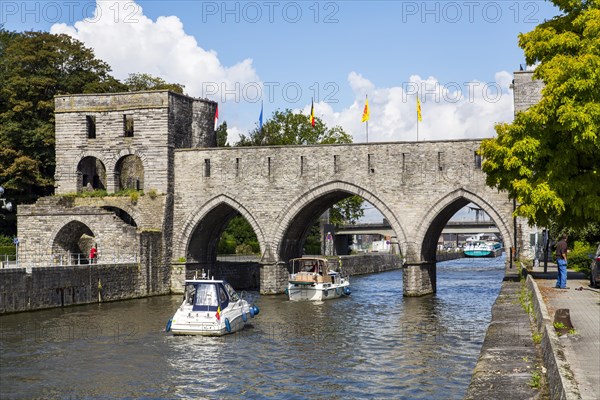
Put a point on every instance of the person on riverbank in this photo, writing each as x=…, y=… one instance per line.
x=93, y=255
x=561, y=261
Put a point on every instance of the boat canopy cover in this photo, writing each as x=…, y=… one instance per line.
x=306, y=264
x=207, y=296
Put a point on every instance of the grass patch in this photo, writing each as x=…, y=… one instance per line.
x=526, y=299
x=537, y=338
x=536, y=379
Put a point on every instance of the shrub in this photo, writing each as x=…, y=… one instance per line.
x=152, y=193
x=134, y=196
x=8, y=250
x=579, y=257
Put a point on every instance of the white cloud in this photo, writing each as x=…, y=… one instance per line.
x=449, y=110
x=130, y=42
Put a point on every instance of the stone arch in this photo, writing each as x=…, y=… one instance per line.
x=221, y=209
x=91, y=174
x=313, y=202
x=129, y=172
x=127, y=216
x=72, y=242
x=438, y=215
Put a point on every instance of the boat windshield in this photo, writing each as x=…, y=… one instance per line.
x=232, y=294
x=206, y=297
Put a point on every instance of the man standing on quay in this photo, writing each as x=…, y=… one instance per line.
x=561, y=260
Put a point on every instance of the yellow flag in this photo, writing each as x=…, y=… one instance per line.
x=366, y=113
x=419, y=110
x=312, y=113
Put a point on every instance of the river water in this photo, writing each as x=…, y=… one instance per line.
x=374, y=344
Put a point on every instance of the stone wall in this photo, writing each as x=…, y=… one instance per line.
x=160, y=120
x=368, y=264
x=526, y=90
x=49, y=229
x=48, y=287
x=241, y=275
x=416, y=186
x=561, y=382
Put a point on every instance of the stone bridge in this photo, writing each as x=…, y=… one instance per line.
x=154, y=154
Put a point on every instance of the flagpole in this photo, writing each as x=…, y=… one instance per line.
x=367, y=126
x=418, y=105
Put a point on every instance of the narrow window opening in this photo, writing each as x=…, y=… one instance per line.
x=440, y=157
x=91, y=126
x=301, y=165
x=237, y=167
x=336, y=164
x=477, y=158
x=269, y=166
x=403, y=162
x=206, y=167
x=128, y=125
x=370, y=162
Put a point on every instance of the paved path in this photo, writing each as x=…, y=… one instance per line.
x=582, y=350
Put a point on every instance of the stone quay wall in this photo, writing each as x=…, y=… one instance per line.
x=242, y=276
x=48, y=287
x=368, y=263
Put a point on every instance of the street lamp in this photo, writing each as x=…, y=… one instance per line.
x=6, y=205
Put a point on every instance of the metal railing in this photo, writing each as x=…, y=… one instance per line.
x=83, y=259
x=67, y=259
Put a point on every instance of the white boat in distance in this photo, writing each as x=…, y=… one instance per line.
x=210, y=308
x=482, y=248
x=312, y=279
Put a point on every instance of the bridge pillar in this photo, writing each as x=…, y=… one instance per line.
x=273, y=278
x=419, y=279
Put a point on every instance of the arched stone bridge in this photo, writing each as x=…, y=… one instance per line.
x=417, y=187
x=164, y=144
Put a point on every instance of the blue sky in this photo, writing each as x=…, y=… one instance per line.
x=458, y=55
x=286, y=52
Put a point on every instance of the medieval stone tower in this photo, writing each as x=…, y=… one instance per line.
x=114, y=180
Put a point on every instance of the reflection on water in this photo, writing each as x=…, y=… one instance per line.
x=373, y=344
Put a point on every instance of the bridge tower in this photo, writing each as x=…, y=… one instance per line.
x=114, y=180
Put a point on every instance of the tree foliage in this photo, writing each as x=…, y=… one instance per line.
x=288, y=128
x=222, y=135
x=141, y=81
x=548, y=159
x=35, y=67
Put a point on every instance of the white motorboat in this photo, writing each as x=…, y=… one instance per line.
x=210, y=308
x=312, y=279
x=482, y=248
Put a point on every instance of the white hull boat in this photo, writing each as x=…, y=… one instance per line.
x=210, y=308
x=311, y=279
x=480, y=248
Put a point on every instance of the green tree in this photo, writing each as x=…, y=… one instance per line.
x=222, y=135
x=142, y=81
x=35, y=67
x=548, y=159
x=288, y=128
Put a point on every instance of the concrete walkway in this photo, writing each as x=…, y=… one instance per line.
x=582, y=349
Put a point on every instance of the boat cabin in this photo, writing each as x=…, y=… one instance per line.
x=311, y=265
x=207, y=295
x=308, y=270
